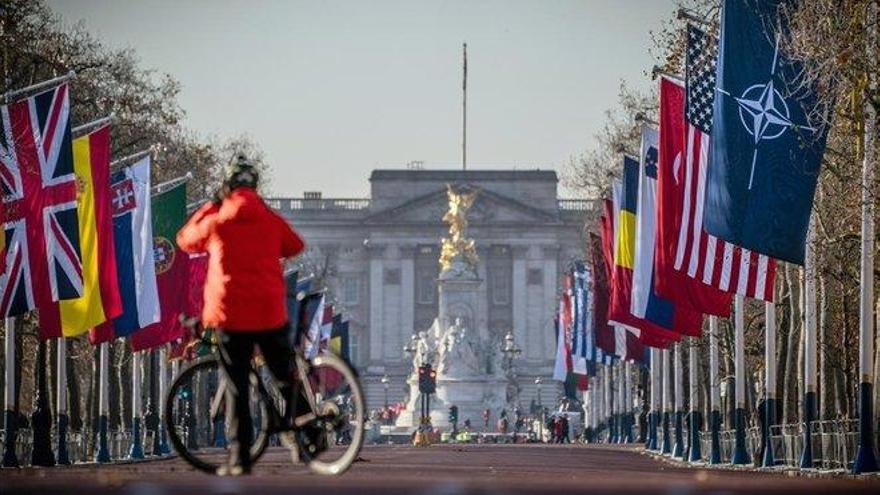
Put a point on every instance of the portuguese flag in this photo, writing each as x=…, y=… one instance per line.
x=172, y=270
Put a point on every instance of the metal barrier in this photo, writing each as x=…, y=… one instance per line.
x=81, y=444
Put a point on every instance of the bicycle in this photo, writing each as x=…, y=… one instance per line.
x=334, y=423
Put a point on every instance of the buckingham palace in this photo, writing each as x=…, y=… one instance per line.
x=379, y=257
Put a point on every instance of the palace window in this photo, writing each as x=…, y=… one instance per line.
x=350, y=290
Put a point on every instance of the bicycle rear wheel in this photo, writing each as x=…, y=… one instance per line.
x=331, y=441
x=195, y=416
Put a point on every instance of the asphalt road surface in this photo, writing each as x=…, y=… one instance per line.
x=435, y=470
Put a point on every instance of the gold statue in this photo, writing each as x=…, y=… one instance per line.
x=458, y=246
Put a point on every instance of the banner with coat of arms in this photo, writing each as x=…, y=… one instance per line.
x=172, y=270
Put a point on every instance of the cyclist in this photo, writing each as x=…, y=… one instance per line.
x=245, y=294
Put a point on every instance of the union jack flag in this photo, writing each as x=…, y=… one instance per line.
x=39, y=191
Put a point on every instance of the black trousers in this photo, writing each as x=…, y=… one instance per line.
x=236, y=351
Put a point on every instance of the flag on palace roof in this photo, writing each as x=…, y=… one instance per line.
x=100, y=300
x=135, y=257
x=767, y=143
x=39, y=189
x=698, y=254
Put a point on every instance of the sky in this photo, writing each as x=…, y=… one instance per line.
x=331, y=90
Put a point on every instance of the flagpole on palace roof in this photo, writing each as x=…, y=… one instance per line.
x=464, y=107
x=9, y=95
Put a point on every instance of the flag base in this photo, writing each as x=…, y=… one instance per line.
x=715, y=434
x=678, y=447
x=809, y=416
x=137, y=448
x=103, y=454
x=769, y=459
x=695, y=451
x=866, y=457
x=666, y=447
x=653, y=417
x=63, y=456
x=10, y=459
x=740, y=455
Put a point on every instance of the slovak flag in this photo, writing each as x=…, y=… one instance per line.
x=135, y=257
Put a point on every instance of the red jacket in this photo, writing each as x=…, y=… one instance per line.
x=245, y=240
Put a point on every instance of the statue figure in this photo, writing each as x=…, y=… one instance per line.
x=457, y=248
x=458, y=353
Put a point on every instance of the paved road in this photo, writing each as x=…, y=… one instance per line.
x=437, y=470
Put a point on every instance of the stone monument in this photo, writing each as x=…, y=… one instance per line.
x=458, y=345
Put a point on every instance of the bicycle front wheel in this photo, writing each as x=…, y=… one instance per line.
x=332, y=441
x=195, y=416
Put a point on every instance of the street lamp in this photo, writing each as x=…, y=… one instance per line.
x=385, y=381
x=410, y=348
x=510, y=349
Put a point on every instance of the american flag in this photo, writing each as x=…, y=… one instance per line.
x=39, y=191
x=704, y=257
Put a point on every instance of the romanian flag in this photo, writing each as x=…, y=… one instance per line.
x=619, y=312
x=100, y=300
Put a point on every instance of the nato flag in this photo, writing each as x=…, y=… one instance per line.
x=766, y=153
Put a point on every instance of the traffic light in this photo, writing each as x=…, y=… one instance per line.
x=427, y=379
x=453, y=414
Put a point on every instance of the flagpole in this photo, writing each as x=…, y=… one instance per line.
x=866, y=460
x=103, y=453
x=9, y=418
x=38, y=86
x=740, y=456
x=628, y=402
x=93, y=125
x=809, y=311
x=61, y=400
x=120, y=162
x=464, y=108
x=678, y=446
x=769, y=380
x=606, y=376
x=666, y=446
x=163, y=390
x=655, y=400
x=170, y=184
x=620, y=402
x=714, y=394
x=137, y=449
x=695, y=453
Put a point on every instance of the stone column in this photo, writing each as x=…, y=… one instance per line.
x=407, y=294
x=377, y=317
x=519, y=287
x=551, y=263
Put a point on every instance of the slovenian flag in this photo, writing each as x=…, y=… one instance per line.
x=135, y=259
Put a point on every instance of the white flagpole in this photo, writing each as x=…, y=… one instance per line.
x=163, y=391
x=714, y=394
x=606, y=397
x=621, y=402
x=10, y=95
x=678, y=446
x=61, y=400
x=695, y=453
x=666, y=446
x=9, y=457
x=656, y=398
x=769, y=380
x=103, y=454
x=740, y=456
x=809, y=404
x=137, y=371
x=866, y=460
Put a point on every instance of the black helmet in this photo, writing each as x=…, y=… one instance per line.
x=241, y=172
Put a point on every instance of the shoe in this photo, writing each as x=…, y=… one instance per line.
x=233, y=470
x=312, y=441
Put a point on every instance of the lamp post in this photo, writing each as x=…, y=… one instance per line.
x=538, y=382
x=511, y=351
x=385, y=381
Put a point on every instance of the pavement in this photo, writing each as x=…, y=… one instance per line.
x=435, y=470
